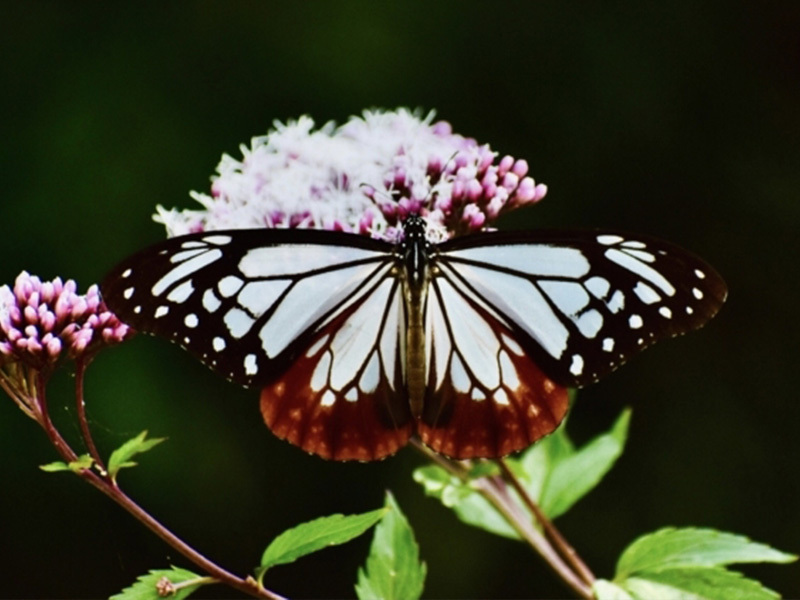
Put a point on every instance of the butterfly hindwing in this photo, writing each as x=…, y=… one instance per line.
x=583, y=303
x=345, y=398
x=484, y=396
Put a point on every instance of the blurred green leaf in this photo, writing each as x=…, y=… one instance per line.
x=121, y=457
x=691, y=547
x=84, y=462
x=555, y=474
x=697, y=583
x=316, y=535
x=393, y=570
x=570, y=473
x=689, y=563
x=163, y=583
x=607, y=590
x=466, y=502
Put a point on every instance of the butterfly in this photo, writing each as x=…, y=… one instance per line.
x=357, y=343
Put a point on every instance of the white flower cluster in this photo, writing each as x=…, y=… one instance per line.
x=364, y=177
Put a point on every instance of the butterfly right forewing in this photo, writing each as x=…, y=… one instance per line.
x=583, y=303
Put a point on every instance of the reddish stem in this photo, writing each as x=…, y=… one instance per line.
x=109, y=487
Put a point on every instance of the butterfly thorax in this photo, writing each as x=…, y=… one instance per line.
x=414, y=253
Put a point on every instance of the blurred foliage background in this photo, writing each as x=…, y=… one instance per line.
x=680, y=120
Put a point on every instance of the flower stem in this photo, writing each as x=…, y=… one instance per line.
x=561, y=544
x=80, y=372
x=102, y=482
x=495, y=490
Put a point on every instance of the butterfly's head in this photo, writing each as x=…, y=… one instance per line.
x=415, y=247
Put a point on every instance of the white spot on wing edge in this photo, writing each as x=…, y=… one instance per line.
x=250, y=364
x=127, y=273
x=161, y=311
x=328, y=398
x=191, y=320
x=635, y=321
x=608, y=239
x=128, y=293
x=477, y=394
x=576, y=368
x=218, y=240
x=218, y=344
x=500, y=397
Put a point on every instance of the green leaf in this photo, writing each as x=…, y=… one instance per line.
x=559, y=475
x=669, y=548
x=121, y=457
x=84, y=462
x=316, y=535
x=553, y=471
x=175, y=583
x=469, y=506
x=606, y=590
x=696, y=583
x=393, y=570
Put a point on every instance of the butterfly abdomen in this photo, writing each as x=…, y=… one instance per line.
x=416, y=276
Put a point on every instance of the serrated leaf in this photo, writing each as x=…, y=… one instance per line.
x=559, y=475
x=147, y=586
x=693, y=547
x=316, y=535
x=84, y=461
x=696, y=583
x=121, y=457
x=607, y=590
x=554, y=473
x=469, y=506
x=393, y=570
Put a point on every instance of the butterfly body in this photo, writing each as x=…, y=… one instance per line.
x=357, y=344
x=416, y=277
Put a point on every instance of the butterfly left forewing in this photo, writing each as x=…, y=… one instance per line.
x=244, y=302
x=484, y=397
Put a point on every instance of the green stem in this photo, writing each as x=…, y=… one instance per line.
x=496, y=493
x=561, y=544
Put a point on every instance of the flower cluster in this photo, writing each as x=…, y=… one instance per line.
x=40, y=321
x=363, y=177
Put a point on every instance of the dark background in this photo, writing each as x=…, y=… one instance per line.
x=679, y=121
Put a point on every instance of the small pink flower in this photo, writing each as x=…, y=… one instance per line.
x=39, y=321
